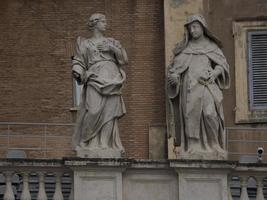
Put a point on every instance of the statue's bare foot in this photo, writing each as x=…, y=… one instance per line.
x=82, y=144
x=191, y=150
x=218, y=149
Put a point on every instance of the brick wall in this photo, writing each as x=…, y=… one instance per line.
x=37, y=39
x=243, y=139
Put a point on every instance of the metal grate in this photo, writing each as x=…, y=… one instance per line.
x=257, y=50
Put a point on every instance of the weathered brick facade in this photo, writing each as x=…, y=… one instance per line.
x=37, y=39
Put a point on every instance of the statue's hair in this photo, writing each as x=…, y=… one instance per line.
x=94, y=18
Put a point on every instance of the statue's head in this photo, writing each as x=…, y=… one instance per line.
x=195, y=30
x=199, y=27
x=196, y=26
x=197, y=17
x=97, y=21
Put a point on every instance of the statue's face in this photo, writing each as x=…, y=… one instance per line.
x=101, y=25
x=195, y=30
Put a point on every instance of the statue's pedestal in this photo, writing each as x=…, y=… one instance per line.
x=95, y=179
x=97, y=153
x=97, y=185
x=117, y=179
x=202, y=180
x=223, y=155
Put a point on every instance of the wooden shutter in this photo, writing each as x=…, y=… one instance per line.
x=257, y=55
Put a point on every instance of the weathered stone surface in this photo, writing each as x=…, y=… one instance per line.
x=150, y=185
x=97, y=184
x=195, y=79
x=157, y=142
x=97, y=65
x=98, y=153
x=175, y=13
x=202, y=185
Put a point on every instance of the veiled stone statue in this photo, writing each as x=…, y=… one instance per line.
x=195, y=80
x=97, y=66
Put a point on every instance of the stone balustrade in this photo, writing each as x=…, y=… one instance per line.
x=251, y=179
x=125, y=179
x=28, y=179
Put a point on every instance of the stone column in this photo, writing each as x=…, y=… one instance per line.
x=175, y=14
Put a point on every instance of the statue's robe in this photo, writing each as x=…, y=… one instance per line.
x=101, y=102
x=195, y=109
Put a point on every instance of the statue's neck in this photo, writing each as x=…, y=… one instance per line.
x=199, y=41
x=98, y=35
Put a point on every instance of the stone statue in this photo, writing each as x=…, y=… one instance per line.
x=97, y=66
x=195, y=80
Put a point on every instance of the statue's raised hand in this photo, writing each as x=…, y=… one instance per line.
x=173, y=79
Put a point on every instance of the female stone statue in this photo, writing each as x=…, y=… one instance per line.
x=196, y=77
x=97, y=66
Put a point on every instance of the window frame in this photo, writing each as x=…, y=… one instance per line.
x=243, y=112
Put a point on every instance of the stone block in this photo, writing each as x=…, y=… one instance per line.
x=97, y=153
x=97, y=184
x=202, y=185
x=150, y=185
x=157, y=142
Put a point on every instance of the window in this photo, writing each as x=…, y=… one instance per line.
x=250, y=71
x=257, y=59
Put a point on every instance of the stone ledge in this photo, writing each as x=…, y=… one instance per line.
x=116, y=162
x=203, y=164
x=96, y=162
x=131, y=164
x=33, y=165
x=28, y=162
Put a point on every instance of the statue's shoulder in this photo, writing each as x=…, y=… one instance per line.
x=213, y=47
x=114, y=41
x=82, y=41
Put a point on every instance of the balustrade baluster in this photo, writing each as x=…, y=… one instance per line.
x=71, y=196
x=244, y=184
x=25, y=195
x=41, y=193
x=58, y=192
x=260, y=195
x=229, y=188
x=9, y=195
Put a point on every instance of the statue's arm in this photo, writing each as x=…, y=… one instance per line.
x=174, y=70
x=78, y=64
x=119, y=52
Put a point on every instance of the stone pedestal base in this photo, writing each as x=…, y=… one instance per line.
x=200, y=185
x=202, y=180
x=205, y=155
x=97, y=184
x=98, y=153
